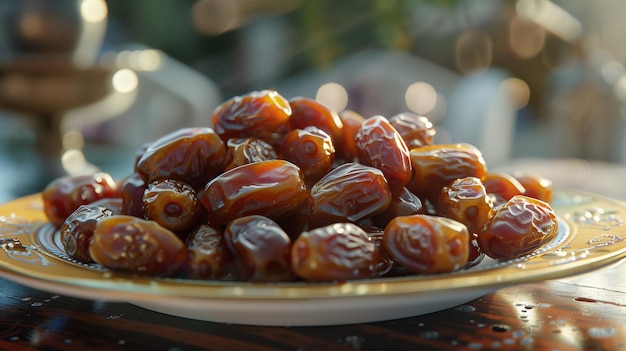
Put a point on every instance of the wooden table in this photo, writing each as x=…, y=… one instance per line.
x=585, y=312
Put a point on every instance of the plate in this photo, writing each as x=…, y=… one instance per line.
x=590, y=236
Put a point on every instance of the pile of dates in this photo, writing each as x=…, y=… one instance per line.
x=288, y=190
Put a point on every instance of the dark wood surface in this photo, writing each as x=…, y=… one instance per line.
x=580, y=313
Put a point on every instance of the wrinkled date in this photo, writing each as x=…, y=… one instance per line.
x=259, y=114
x=466, y=200
x=416, y=131
x=349, y=193
x=248, y=150
x=306, y=112
x=78, y=229
x=208, y=255
x=192, y=155
x=171, y=203
x=64, y=195
x=261, y=248
x=520, y=226
x=502, y=187
x=340, y=251
x=379, y=145
x=312, y=150
x=269, y=188
x=138, y=246
x=427, y=244
x=436, y=166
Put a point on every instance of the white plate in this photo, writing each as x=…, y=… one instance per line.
x=30, y=254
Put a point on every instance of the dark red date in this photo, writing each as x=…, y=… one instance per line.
x=349, y=193
x=269, y=188
x=340, y=251
x=77, y=230
x=427, y=244
x=259, y=114
x=416, y=131
x=137, y=246
x=171, y=203
x=518, y=228
x=466, y=200
x=208, y=255
x=192, y=155
x=379, y=145
x=261, y=249
x=312, y=150
x=306, y=112
x=436, y=166
x=65, y=194
x=248, y=150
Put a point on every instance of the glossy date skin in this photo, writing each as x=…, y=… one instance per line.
x=261, y=249
x=137, y=246
x=502, y=187
x=270, y=188
x=208, y=256
x=380, y=146
x=248, y=150
x=427, y=244
x=351, y=120
x=436, y=166
x=416, y=130
x=259, y=114
x=192, y=155
x=349, y=193
x=466, y=200
x=77, y=230
x=312, y=150
x=307, y=112
x=65, y=194
x=173, y=204
x=535, y=186
x=518, y=228
x=337, y=252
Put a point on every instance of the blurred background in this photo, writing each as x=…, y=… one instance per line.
x=84, y=83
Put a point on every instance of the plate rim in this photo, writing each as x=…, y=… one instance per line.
x=104, y=285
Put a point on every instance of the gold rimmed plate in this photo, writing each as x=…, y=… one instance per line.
x=590, y=236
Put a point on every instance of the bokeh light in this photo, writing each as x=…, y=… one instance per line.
x=518, y=90
x=421, y=98
x=93, y=11
x=125, y=81
x=333, y=96
x=526, y=38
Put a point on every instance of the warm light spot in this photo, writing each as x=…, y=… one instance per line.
x=125, y=81
x=332, y=95
x=473, y=51
x=619, y=88
x=518, y=90
x=420, y=98
x=551, y=17
x=93, y=11
x=526, y=38
x=146, y=60
x=612, y=71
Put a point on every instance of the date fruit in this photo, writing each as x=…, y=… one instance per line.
x=269, y=188
x=77, y=230
x=137, y=246
x=312, y=150
x=259, y=114
x=380, y=146
x=340, y=251
x=261, y=249
x=349, y=193
x=466, y=200
x=427, y=244
x=171, y=203
x=518, y=228
x=208, y=255
x=192, y=155
x=416, y=131
x=64, y=195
